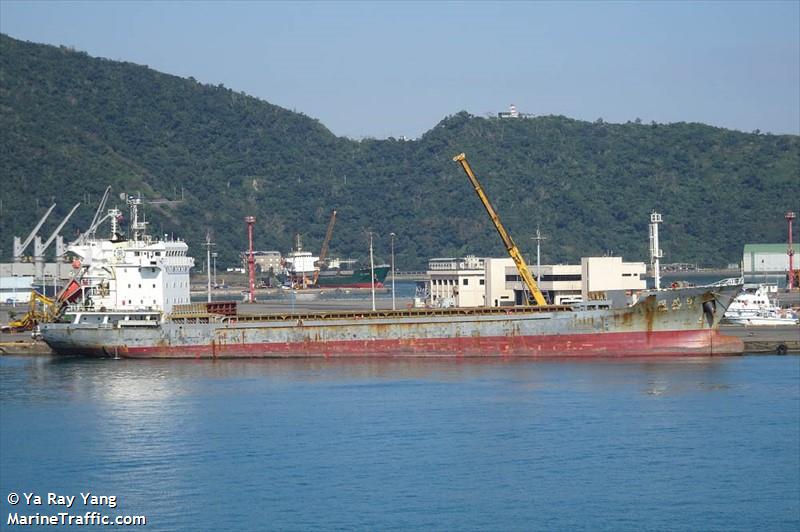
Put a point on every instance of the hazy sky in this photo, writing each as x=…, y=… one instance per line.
x=390, y=69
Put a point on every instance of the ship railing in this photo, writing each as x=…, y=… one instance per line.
x=194, y=319
x=387, y=314
x=137, y=323
x=78, y=307
x=732, y=281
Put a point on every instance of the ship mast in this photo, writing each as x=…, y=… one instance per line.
x=138, y=228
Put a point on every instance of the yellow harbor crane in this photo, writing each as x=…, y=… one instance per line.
x=516, y=256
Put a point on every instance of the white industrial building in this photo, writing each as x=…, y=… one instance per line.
x=765, y=258
x=17, y=279
x=607, y=274
x=15, y=290
x=457, y=282
x=560, y=283
x=495, y=282
x=60, y=270
x=767, y=263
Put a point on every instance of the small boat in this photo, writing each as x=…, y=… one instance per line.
x=755, y=307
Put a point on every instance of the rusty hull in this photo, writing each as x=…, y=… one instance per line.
x=676, y=322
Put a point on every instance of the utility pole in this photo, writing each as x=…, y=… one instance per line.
x=208, y=245
x=372, y=271
x=394, y=307
x=539, y=237
x=214, y=256
x=790, y=216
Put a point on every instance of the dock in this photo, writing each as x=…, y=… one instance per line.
x=766, y=339
x=22, y=344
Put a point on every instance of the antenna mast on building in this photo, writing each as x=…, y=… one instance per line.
x=655, y=252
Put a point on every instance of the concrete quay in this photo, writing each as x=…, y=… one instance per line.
x=766, y=339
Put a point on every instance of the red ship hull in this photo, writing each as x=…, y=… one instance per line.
x=639, y=344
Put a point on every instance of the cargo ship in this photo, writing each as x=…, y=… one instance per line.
x=675, y=322
x=343, y=273
x=133, y=302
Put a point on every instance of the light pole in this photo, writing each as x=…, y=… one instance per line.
x=393, y=300
x=790, y=216
x=208, y=262
x=372, y=271
x=214, y=256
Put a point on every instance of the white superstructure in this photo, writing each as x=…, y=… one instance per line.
x=141, y=273
x=299, y=266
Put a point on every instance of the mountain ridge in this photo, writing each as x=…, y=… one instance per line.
x=74, y=124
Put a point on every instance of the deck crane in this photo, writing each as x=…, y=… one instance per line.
x=114, y=215
x=19, y=247
x=512, y=249
x=93, y=226
x=324, y=251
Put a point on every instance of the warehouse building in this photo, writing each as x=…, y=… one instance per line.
x=766, y=263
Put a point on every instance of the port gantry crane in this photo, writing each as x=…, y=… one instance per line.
x=512, y=249
x=324, y=251
x=19, y=246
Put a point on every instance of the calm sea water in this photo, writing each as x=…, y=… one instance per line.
x=694, y=444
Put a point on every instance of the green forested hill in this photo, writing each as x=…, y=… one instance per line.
x=72, y=124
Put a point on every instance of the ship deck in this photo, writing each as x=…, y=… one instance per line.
x=283, y=316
